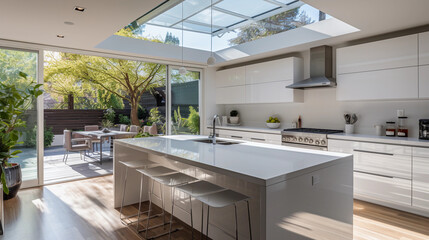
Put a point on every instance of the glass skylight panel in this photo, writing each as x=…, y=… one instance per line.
x=248, y=8
x=196, y=27
x=219, y=18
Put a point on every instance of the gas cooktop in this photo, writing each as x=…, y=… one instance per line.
x=312, y=130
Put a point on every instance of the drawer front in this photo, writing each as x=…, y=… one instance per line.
x=251, y=136
x=383, y=163
x=420, y=152
x=421, y=182
x=383, y=148
x=392, y=190
x=340, y=146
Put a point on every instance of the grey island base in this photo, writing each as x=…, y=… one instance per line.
x=295, y=193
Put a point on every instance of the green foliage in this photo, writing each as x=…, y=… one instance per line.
x=193, y=121
x=13, y=104
x=142, y=134
x=155, y=117
x=13, y=62
x=106, y=123
x=178, y=121
x=233, y=113
x=269, y=26
x=109, y=114
x=124, y=119
x=31, y=137
x=82, y=74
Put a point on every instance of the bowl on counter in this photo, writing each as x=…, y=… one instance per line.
x=273, y=125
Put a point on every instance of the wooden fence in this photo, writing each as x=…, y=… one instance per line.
x=60, y=119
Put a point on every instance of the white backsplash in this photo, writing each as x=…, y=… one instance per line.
x=321, y=110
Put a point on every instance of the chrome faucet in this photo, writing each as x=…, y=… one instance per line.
x=213, y=136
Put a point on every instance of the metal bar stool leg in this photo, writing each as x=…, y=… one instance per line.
x=236, y=222
x=150, y=210
x=248, y=216
x=172, y=209
x=140, y=202
x=161, y=190
x=123, y=194
x=202, y=220
x=208, y=218
x=192, y=219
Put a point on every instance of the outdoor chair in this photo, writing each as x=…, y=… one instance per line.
x=75, y=145
x=123, y=127
x=94, y=140
x=134, y=128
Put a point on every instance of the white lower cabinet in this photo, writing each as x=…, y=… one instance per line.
x=382, y=188
x=251, y=136
x=382, y=172
x=421, y=178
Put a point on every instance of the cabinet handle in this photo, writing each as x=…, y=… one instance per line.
x=236, y=136
x=380, y=153
x=258, y=139
x=374, y=174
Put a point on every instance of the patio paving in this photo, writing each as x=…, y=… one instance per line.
x=55, y=170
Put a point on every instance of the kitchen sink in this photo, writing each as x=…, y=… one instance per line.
x=220, y=142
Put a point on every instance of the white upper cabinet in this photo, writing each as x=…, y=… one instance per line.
x=230, y=77
x=275, y=71
x=382, y=70
x=260, y=83
x=424, y=48
x=385, y=54
x=424, y=81
x=390, y=84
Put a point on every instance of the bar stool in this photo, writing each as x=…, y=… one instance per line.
x=197, y=189
x=223, y=199
x=152, y=172
x=170, y=180
x=144, y=163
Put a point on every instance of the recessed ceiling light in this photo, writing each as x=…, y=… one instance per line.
x=60, y=36
x=69, y=23
x=79, y=9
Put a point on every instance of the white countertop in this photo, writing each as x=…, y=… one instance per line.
x=250, y=129
x=380, y=139
x=263, y=164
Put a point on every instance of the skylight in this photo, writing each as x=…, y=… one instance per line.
x=234, y=21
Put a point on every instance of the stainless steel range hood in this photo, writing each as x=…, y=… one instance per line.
x=320, y=69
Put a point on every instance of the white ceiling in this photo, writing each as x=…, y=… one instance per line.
x=40, y=22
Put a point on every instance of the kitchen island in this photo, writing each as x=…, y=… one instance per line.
x=295, y=193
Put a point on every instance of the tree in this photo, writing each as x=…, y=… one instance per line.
x=272, y=25
x=12, y=62
x=125, y=79
x=170, y=39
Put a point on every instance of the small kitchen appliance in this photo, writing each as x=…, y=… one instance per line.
x=424, y=129
x=312, y=138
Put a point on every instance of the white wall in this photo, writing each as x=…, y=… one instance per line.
x=321, y=110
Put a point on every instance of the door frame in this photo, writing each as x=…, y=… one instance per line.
x=200, y=99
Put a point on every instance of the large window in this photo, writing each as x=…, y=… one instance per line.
x=185, y=118
x=12, y=62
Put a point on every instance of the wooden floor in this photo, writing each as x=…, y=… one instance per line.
x=83, y=210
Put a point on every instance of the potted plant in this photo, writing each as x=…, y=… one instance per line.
x=233, y=117
x=13, y=104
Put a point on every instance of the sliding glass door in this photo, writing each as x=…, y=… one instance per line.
x=184, y=101
x=12, y=62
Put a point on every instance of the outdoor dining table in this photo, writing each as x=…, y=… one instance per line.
x=106, y=135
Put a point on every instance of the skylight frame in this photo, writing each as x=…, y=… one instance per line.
x=218, y=30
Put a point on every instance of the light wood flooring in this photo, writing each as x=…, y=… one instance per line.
x=83, y=210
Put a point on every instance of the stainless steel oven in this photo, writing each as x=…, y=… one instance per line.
x=310, y=138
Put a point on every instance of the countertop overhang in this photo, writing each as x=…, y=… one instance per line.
x=262, y=164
